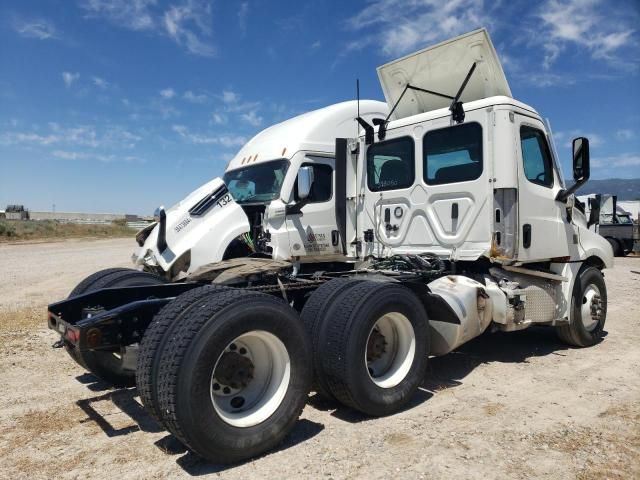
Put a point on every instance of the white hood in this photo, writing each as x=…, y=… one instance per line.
x=442, y=68
x=205, y=235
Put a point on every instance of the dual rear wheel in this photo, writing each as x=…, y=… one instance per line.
x=371, y=343
x=228, y=371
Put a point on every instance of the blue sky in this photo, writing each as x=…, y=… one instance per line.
x=122, y=105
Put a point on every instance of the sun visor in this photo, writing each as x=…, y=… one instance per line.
x=442, y=68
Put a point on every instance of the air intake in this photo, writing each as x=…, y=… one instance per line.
x=207, y=202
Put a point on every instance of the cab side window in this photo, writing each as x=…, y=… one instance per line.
x=322, y=186
x=390, y=164
x=453, y=154
x=538, y=167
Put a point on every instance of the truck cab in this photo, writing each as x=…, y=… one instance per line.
x=256, y=208
x=483, y=183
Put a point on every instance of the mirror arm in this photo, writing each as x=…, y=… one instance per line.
x=296, y=208
x=564, y=194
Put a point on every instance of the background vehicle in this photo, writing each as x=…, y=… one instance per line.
x=258, y=184
x=444, y=219
x=610, y=221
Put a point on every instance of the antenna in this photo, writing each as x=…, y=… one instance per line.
x=358, y=103
x=358, y=94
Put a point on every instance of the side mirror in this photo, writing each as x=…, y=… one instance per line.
x=305, y=181
x=581, y=170
x=581, y=159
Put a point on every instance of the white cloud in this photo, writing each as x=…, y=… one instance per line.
x=81, y=135
x=252, y=118
x=595, y=139
x=69, y=78
x=40, y=29
x=100, y=82
x=189, y=96
x=168, y=93
x=186, y=23
x=219, y=118
x=234, y=104
x=227, y=141
x=179, y=22
x=243, y=11
x=622, y=160
x=316, y=44
x=13, y=138
x=625, y=134
x=129, y=14
x=589, y=24
x=544, y=79
x=229, y=96
x=404, y=25
x=106, y=158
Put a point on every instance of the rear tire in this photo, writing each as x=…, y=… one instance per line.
x=588, y=310
x=312, y=316
x=235, y=377
x=107, y=365
x=159, y=331
x=375, y=343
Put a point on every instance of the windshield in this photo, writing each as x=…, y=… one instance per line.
x=257, y=183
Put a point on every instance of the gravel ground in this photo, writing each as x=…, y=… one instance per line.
x=517, y=405
x=38, y=273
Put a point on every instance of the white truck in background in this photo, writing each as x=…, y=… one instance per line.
x=258, y=184
x=441, y=219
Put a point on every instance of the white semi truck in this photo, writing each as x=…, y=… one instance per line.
x=343, y=266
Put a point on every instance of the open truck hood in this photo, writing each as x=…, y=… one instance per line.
x=204, y=235
x=442, y=68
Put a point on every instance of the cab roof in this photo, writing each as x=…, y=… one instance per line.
x=315, y=131
x=497, y=101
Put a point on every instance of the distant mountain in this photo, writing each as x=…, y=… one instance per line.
x=624, y=188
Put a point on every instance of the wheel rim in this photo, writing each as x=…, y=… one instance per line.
x=250, y=379
x=591, y=308
x=391, y=348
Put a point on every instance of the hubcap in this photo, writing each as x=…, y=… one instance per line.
x=391, y=348
x=250, y=378
x=591, y=309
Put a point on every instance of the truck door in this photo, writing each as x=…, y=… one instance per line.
x=426, y=192
x=313, y=232
x=543, y=231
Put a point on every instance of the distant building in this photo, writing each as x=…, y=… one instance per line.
x=77, y=216
x=16, y=212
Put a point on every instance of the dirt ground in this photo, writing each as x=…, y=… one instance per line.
x=517, y=405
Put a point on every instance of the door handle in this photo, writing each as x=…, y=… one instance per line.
x=335, y=237
x=454, y=211
x=526, y=235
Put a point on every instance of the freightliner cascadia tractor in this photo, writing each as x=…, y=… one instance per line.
x=339, y=265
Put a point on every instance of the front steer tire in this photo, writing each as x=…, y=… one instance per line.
x=106, y=365
x=188, y=373
x=375, y=373
x=588, y=314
